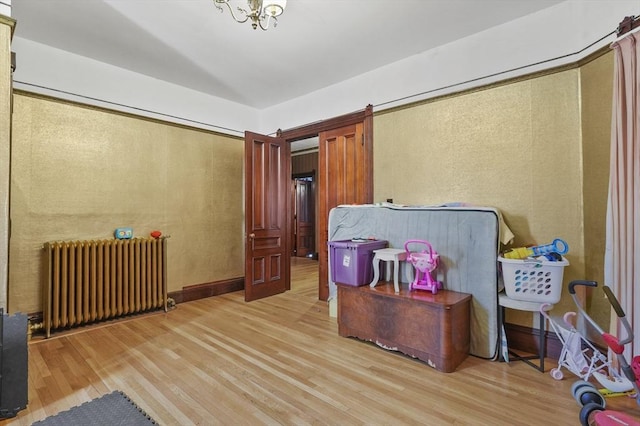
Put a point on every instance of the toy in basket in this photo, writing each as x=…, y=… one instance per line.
x=424, y=262
x=557, y=246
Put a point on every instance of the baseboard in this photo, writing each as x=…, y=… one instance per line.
x=200, y=291
x=525, y=339
x=188, y=293
x=520, y=338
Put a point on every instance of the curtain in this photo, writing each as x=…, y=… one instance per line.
x=622, y=247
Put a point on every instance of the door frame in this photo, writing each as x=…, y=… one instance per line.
x=294, y=176
x=364, y=116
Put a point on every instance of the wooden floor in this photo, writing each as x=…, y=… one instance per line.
x=278, y=361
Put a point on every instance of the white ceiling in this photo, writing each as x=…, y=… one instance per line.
x=316, y=44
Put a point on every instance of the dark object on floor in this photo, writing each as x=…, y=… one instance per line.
x=14, y=358
x=114, y=409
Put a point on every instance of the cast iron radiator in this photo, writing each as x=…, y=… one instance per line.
x=92, y=281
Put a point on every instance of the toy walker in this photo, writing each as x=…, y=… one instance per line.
x=424, y=263
x=593, y=411
x=581, y=357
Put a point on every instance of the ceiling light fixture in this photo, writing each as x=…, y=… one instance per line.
x=261, y=12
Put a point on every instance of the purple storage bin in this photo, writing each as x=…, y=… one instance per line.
x=351, y=261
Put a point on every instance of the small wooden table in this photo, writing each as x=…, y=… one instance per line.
x=431, y=327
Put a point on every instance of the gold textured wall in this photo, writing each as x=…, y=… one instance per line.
x=516, y=146
x=537, y=149
x=6, y=29
x=80, y=172
x=596, y=82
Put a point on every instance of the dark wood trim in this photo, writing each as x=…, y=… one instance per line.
x=200, y=291
x=313, y=129
x=525, y=339
x=368, y=143
x=311, y=173
x=187, y=294
x=627, y=24
x=304, y=152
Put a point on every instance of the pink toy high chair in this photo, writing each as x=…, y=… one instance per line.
x=424, y=263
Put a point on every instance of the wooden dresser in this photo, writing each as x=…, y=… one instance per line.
x=431, y=327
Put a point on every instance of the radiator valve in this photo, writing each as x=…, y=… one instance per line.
x=171, y=303
x=34, y=327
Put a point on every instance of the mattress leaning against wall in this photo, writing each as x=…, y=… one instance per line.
x=467, y=239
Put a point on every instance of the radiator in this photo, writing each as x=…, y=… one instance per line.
x=92, y=281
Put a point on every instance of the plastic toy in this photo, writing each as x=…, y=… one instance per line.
x=424, y=262
x=617, y=346
x=593, y=411
x=594, y=414
x=593, y=404
x=581, y=357
x=123, y=233
x=557, y=246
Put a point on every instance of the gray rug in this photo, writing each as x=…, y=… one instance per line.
x=114, y=409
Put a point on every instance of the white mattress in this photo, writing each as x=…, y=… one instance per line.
x=466, y=238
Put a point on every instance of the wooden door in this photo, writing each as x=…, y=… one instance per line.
x=345, y=170
x=267, y=223
x=304, y=217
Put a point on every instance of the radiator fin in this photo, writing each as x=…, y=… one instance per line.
x=91, y=281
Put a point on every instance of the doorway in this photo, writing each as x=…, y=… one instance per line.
x=344, y=172
x=303, y=202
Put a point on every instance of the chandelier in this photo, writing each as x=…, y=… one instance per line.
x=261, y=12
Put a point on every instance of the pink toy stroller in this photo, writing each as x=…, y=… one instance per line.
x=593, y=404
x=581, y=357
x=424, y=262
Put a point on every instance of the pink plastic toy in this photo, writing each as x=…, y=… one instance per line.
x=424, y=262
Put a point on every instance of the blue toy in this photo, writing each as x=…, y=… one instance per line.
x=123, y=233
x=557, y=246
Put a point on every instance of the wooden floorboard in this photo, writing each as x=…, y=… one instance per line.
x=221, y=361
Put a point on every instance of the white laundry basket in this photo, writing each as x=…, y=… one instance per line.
x=533, y=280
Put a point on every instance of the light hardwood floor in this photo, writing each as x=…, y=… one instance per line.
x=278, y=361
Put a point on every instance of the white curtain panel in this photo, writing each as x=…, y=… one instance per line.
x=622, y=251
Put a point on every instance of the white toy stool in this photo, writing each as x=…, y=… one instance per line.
x=506, y=302
x=388, y=255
